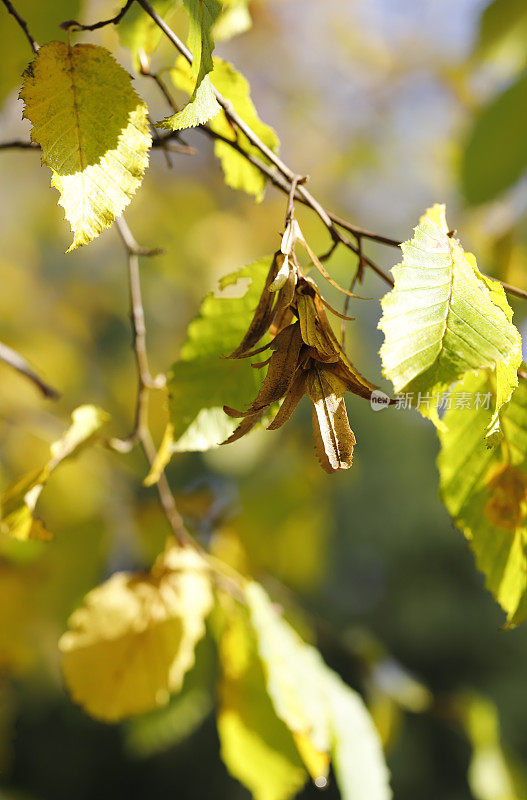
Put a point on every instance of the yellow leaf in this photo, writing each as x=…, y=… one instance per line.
x=239, y=173
x=324, y=715
x=132, y=641
x=256, y=746
x=93, y=131
x=17, y=504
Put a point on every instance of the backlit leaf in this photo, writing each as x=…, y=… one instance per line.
x=485, y=490
x=202, y=105
x=138, y=31
x=132, y=641
x=239, y=173
x=444, y=318
x=234, y=19
x=356, y=752
x=256, y=746
x=203, y=379
x=317, y=706
x=158, y=730
x=93, y=131
x=18, y=502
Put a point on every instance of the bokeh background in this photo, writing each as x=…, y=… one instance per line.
x=375, y=100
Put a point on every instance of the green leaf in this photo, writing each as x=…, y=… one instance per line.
x=18, y=503
x=485, y=490
x=256, y=746
x=239, y=173
x=495, y=155
x=202, y=105
x=43, y=19
x=356, y=750
x=93, y=131
x=203, y=380
x=138, y=31
x=502, y=27
x=319, y=709
x=444, y=318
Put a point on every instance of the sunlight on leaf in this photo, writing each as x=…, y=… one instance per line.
x=256, y=746
x=202, y=105
x=239, y=173
x=132, y=641
x=485, y=491
x=18, y=502
x=317, y=706
x=93, y=131
x=443, y=318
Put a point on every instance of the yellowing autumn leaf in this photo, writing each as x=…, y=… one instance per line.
x=18, y=502
x=93, y=131
x=239, y=173
x=256, y=746
x=132, y=641
x=325, y=716
x=485, y=489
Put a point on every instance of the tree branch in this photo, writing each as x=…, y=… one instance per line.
x=73, y=25
x=18, y=362
x=23, y=24
x=19, y=144
x=285, y=177
x=141, y=432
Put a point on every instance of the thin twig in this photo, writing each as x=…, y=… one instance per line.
x=73, y=25
x=522, y=293
x=362, y=233
x=284, y=176
x=19, y=144
x=285, y=172
x=23, y=24
x=331, y=221
x=141, y=432
x=18, y=362
x=357, y=277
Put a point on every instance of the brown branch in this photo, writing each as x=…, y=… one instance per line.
x=73, y=25
x=23, y=24
x=286, y=176
x=141, y=432
x=19, y=144
x=362, y=233
x=18, y=362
